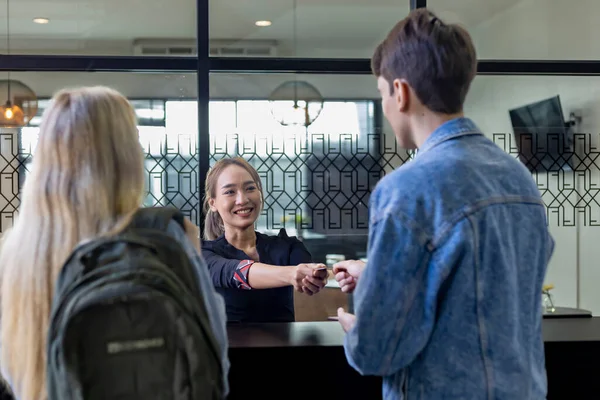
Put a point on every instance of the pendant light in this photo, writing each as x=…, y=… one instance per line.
x=18, y=103
x=296, y=102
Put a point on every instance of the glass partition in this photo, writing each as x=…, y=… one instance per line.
x=570, y=192
x=101, y=27
x=308, y=29
x=527, y=29
x=168, y=127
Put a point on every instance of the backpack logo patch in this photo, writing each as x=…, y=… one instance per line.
x=134, y=345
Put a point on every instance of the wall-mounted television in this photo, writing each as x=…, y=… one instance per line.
x=544, y=140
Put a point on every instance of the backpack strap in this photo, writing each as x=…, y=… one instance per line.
x=156, y=218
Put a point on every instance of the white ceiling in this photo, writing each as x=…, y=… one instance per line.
x=470, y=13
x=342, y=26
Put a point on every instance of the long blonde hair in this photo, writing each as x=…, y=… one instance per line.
x=213, y=223
x=87, y=179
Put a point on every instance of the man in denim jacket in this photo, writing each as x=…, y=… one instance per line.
x=448, y=305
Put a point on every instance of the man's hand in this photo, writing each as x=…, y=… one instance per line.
x=347, y=320
x=347, y=274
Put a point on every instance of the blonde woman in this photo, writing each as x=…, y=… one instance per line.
x=255, y=273
x=87, y=180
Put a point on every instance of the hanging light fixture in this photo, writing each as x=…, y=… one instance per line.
x=18, y=103
x=296, y=103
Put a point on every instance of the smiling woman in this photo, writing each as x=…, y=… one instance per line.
x=254, y=272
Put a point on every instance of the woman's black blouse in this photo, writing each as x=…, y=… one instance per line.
x=261, y=305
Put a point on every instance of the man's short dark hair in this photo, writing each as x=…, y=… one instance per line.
x=437, y=60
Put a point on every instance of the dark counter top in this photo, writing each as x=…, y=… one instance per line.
x=282, y=350
x=583, y=329
x=568, y=312
x=305, y=358
x=330, y=333
x=287, y=334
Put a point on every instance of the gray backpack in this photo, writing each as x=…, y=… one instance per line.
x=129, y=321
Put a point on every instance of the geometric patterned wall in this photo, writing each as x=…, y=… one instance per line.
x=315, y=182
x=323, y=182
x=172, y=178
x=171, y=167
x=571, y=189
x=11, y=176
x=319, y=182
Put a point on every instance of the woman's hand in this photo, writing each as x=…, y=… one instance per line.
x=309, y=278
x=313, y=284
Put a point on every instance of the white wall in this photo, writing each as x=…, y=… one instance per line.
x=548, y=29
x=541, y=29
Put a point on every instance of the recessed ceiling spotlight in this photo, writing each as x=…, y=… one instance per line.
x=263, y=23
x=41, y=20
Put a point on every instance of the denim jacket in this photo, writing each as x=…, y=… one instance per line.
x=449, y=304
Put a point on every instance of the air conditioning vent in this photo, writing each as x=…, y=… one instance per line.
x=182, y=51
x=243, y=48
x=223, y=48
x=163, y=47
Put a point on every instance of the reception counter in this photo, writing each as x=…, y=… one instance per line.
x=307, y=358
x=321, y=305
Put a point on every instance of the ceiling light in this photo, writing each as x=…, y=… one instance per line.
x=263, y=23
x=41, y=20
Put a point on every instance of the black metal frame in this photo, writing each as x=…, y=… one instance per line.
x=203, y=79
x=336, y=66
x=418, y=4
x=203, y=65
